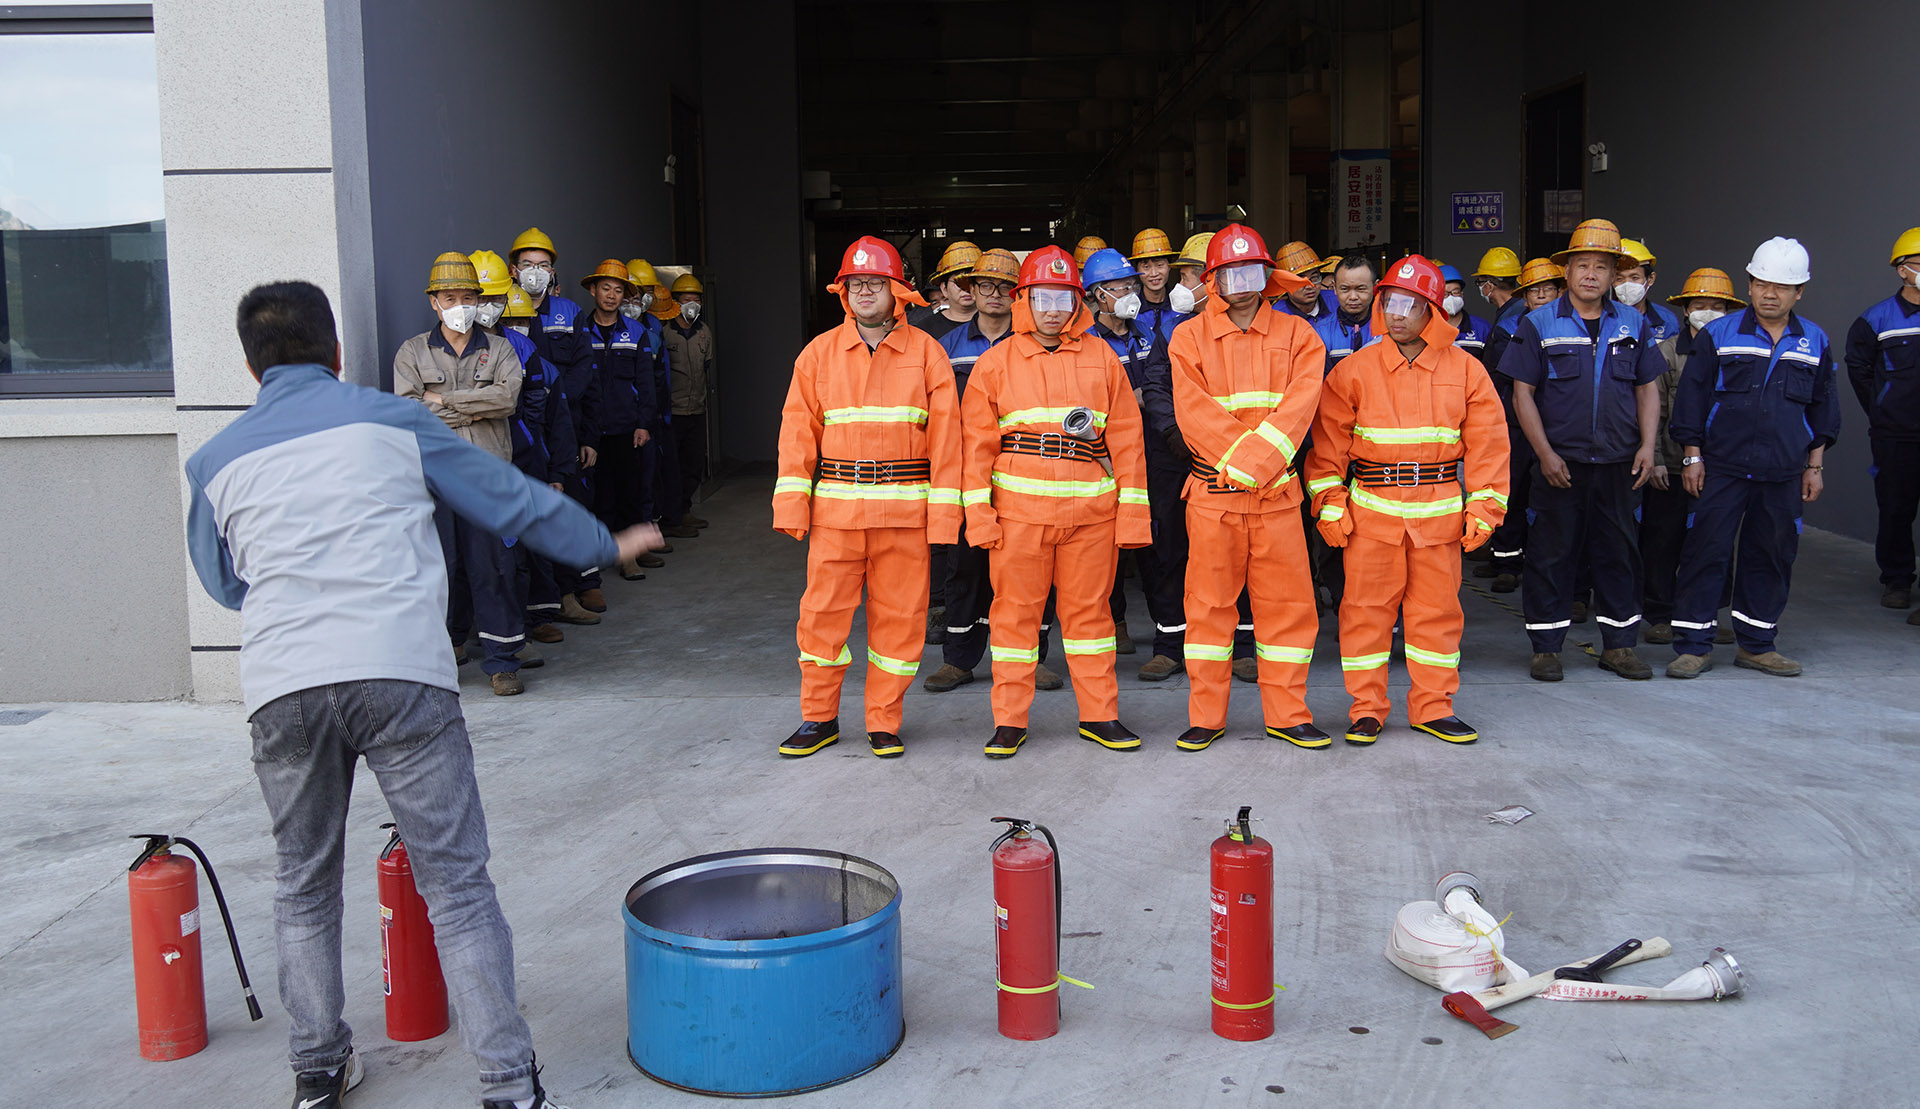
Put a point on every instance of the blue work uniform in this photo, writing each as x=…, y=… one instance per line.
x=660, y=458
x=544, y=449
x=1883, y=366
x=622, y=364
x=1754, y=408
x=1508, y=546
x=1162, y=566
x=556, y=334
x=1157, y=317
x=1343, y=336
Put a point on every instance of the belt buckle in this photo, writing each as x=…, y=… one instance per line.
x=1406, y=474
x=863, y=466
x=1053, y=444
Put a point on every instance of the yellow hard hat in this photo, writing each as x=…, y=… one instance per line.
x=1084, y=249
x=1297, y=258
x=664, y=307
x=1327, y=264
x=492, y=271
x=1708, y=282
x=1637, y=250
x=532, y=239
x=1907, y=245
x=687, y=283
x=451, y=271
x=1194, y=252
x=1151, y=243
x=640, y=272
x=1498, y=262
x=609, y=268
x=996, y=265
x=518, y=303
x=1594, y=236
x=1538, y=270
x=958, y=258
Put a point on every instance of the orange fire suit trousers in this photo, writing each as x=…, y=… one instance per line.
x=1265, y=553
x=1420, y=586
x=892, y=563
x=1080, y=563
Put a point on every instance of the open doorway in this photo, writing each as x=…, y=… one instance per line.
x=1556, y=153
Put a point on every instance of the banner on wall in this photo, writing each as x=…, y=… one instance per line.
x=1360, y=198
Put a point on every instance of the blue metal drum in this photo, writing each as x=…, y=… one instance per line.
x=763, y=972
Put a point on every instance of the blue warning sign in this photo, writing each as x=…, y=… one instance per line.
x=1483, y=213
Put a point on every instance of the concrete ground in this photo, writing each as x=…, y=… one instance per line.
x=1775, y=817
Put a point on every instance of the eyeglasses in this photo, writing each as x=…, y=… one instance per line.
x=868, y=284
x=991, y=288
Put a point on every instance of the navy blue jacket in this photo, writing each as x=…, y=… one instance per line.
x=1755, y=407
x=1474, y=333
x=622, y=364
x=1159, y=319
x=1329, y=304
x=662, y=369
x=1883, y=365
x=1151, y=375
x=964, y=346
x=556, y=335
x=1343, y=338
x=1585, y=395
x=544, y=447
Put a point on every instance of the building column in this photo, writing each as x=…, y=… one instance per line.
x=1269, y=155
x=1209, y=161
x=1143, y=203
x=1170, y=181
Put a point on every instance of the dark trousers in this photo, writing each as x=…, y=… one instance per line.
x=571, y=579
x=969, y=596
x=538, y=585
x=481, y=591
x=1663, y=530
x=690, y=443
x=1162, y=567
x=1896, y=489
x=1594, y=516
x=1765, y=515
x=662, y=481
x=1509, y=542
x=617, y=482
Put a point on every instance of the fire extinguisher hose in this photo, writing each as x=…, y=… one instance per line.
x=159, y=843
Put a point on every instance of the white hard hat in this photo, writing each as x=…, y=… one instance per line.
x=1781, y=261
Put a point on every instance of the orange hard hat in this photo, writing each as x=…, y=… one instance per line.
x=1418, y=276
x=1536, y=271
x=1594, y=236
x=868, y=255
x=996, y=265
x=1236, y=243
x=1085, y=248
x=1707, y=282
x=957, y=259
x=1152, y=243
x=1298, y=257
x=609, y=268
x=1049, y=266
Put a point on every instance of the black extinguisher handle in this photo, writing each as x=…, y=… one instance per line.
x=393, y=842
x=220, y=899
x=1058, y=923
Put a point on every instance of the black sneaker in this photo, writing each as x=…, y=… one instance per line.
x=322, y=1089
x=811, y=737
x=1302, y=735
x=886, y=745
x=1197, y=739
x=540, y=1098
x=1110, y=734
x=1006, y=742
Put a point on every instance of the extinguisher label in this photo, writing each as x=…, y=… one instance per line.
x=189, y=922
x=386, y=951
x=1000, y=914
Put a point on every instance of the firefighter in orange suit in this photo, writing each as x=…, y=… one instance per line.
x=870, y=464
x=1409, y=466
x=1245, y=383
x=1055, y=483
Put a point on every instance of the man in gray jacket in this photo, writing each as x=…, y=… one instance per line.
x=690, y=357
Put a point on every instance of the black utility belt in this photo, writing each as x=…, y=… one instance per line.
x=1054, y=444
x=1404, y=473
x=876, y=471
x=1216, y=484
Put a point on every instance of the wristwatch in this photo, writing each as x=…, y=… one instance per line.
x=1691, y=460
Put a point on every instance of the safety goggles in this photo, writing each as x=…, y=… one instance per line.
x=1248, y=277
x=1046, y=299
x=1399, y=304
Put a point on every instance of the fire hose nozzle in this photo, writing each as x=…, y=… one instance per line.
x=1080, y=424
x=1453, y=880
x=1728, y=979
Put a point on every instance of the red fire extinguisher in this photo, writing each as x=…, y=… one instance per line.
x=1026, y=909
x=1243, y=987
x=409, y=962
x=170, y=994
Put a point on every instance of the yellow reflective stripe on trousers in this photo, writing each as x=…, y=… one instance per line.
x=1089, y=646
x=849, y=491
x=800, y=485
x=1252, y=398
x=1133, y=496
x=1407, y=434
x=846, y=656
x=1433, y=658
x=875, y=414
x=1406, y=510
x=943, y=496
x=1045, y=416
x=1488, y=495
x=1013, y=654
x=1045, y=487
x=975, y=496
x=1301, y=655
x=1322, y=484
x=898, y=666
x=1209, y=652
x=1364, y=662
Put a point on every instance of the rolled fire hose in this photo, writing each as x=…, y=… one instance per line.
x=1080, y=424
x=1452, y=943
x=1717, y=978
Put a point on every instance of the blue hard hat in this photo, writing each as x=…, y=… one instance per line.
x=1105, y=265
x=1449, y=273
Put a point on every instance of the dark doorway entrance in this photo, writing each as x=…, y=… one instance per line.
x=1555, y=166
x=689, y=187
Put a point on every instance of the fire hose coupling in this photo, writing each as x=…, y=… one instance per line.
x=1080, y=424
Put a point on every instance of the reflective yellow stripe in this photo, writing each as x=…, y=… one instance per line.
x=1255, y=1005
x=975, y=496
x=1234, y=402
x=1433, y=658
x=943, y=496
x=1364, y=662
x=1332, y=512
x=1301, y=655
x=898, y=666
x=848, y=491
x=1407, y=434
x=1415, y=510
x=1088, y=646
x=1488, y=495
x=1048, y=988
x=1133, y=496
x=1046, y=416
x=1045, y=487
x=800, y=485
x=846, y=656
x=1208, y=652
x=1013, y=654
x=1322, y=484
x=875, y=414
x=1239, y=475
x=1275, y=436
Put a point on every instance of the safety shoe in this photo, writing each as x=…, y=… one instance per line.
x=948, y=677
x=1689, y=666
x=1301, y=735
x=680, y=531
x=695, y=522
x=546, y=633
x=1579, y=615
x=811, y=737
x=540, y=1098
x=1196, y=739
x=530, y=657
x=1450, y=728
x=323, y=1089
x=1896, y=596
x=886, y=745
x=1006, y=741
x=1483, y=569
x=1660, y=633
x=1363, y=731
x=1545, y=667
x=1110, y=734
x=936, y=626
x=574, y=611
x=650, y=561
x=1767, y=662
x=1122, y=640
x=664, y=548
x=1246, y=669
x=1161, y=667
x=1505, y=583
x=1622, y=661
x=593, y=600
x=630, y=571
x=506, y=684
x=1044, y=678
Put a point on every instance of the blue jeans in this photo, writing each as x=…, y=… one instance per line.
x=414, y=739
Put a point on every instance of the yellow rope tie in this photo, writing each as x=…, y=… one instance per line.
x=1488, y=936
x=1277, y=987
x=1048, y=988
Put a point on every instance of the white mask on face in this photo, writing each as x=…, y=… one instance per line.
x=459, y=318
x=1181, y=299
x=690, y=312
x=1701, y=317
x=1913, y=274
x=632, y=309
x=1453, y=303
x=520, y=327
x=535, y=280
x=1630, y=293
x=489, y=314
x=1127, y=307
x=644, y=300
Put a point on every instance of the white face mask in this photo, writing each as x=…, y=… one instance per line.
x=459, y=318
x=1453, y=304
x=520, y=327
x=1630, y=293
x=535, y=280
x=1701, y=317
x=1913, y=275
x=1181, y=299
x=632, y=309
x=690, y=312
x=489, y=314
x=1127, y=307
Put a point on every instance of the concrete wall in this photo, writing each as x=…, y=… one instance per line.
x=93, y=606
x=1470, y=139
